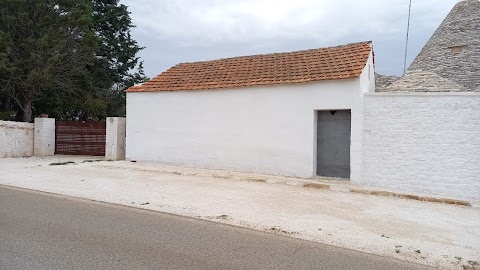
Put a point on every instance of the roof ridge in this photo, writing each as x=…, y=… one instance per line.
x=276, y=53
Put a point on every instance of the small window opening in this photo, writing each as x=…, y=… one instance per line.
x=456, y=49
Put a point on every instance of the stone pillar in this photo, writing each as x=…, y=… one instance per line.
x=115, y=140
x=44, y=137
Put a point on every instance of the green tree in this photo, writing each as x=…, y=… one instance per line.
x=117, y=63
x=44, y=45
x=6, y=110
x=116, y=67
x=71, y=59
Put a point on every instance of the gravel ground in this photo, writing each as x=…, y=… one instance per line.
x=445, y=236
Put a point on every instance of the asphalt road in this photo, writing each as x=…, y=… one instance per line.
x=44, y=231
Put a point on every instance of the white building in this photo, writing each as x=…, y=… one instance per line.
x=317, y=113
x=294, y=114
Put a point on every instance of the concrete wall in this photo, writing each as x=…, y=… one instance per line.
x=115, y=138
x=16, y=139
x=269, y=129
x=44, y=139
x=425, y=143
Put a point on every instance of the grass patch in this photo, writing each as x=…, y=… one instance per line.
x=61, y=163
x=92, y=160
x=85, y=161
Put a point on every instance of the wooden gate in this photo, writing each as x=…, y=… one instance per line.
x=80, y=138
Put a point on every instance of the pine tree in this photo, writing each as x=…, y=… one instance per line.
x=71, y=59
x=44, y=44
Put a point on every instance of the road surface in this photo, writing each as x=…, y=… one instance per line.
x=45, y=231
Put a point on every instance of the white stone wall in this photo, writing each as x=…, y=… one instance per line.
x=367, y=85
x=16, y=139
x=426, y=143
x=257, y=129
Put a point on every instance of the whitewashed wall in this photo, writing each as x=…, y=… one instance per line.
x=367, y=85
x=16, y=139
x=257, y=129
x=423, y=142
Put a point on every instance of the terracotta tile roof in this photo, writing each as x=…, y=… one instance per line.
x=340, y=62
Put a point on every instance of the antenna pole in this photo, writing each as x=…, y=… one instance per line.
x=406, y=42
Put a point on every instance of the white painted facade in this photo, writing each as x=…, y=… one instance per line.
x=263, y=129
x=426, y=143
x=16, y=139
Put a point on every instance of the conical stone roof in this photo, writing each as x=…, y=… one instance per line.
x=451, y=56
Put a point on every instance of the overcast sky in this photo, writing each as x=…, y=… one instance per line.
x=175, y=31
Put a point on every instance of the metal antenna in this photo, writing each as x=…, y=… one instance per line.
x=406, y=42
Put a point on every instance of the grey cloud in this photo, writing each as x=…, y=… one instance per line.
x=185, y=31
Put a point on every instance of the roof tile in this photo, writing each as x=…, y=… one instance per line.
x=340, y=62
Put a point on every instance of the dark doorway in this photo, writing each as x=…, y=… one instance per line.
x=333, y=143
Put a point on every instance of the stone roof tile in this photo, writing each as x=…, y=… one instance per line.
x=422, y=81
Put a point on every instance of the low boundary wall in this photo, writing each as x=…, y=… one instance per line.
x=16, y=139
